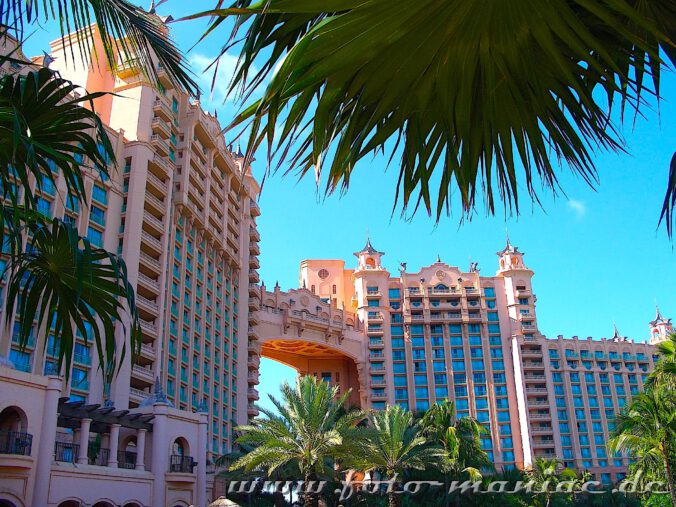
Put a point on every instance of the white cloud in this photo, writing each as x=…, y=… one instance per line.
x=577, y=207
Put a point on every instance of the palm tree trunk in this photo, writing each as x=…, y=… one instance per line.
x=309, y=499
x=393, y=499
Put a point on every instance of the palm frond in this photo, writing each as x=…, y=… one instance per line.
x=478, y=98
x=44, y=129
x=63, y=281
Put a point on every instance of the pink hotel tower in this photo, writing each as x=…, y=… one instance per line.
x=181, y=210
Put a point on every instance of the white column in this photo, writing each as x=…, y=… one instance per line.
x=201, y=457
x=160, y=453
x=82, y=458
x=47, y=439
x=114, y=444
x=140, y=449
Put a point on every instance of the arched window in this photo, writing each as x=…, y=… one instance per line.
x=334, y=289
x=370, y=262
x=312, y=288
x=13, y=419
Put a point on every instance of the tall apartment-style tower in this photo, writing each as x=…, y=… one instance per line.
x=181, y=211
x=447, y=333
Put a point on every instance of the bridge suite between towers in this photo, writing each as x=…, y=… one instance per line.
x=313, y=336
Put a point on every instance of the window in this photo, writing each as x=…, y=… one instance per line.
x=97, y=215
x=44, y=206
x=100, y=194
x=95, y=237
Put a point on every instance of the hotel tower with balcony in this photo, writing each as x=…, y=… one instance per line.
x=180, y=209
x=444, y=333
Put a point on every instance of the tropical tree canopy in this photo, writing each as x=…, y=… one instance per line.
x=309, y=430
x=646, y=430
x=473, y=97
x=459, y=438
x=393, y=445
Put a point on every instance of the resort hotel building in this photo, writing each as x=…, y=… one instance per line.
x=181, y=210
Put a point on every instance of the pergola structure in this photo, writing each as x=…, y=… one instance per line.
x=105, y=420
x=71, y=414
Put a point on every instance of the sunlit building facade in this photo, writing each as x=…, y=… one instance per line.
x=445, y=333
x=179, y=207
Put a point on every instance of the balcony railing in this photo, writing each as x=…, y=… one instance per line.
x=126, y=459
x=66, y=452
x=152, y=240
x=16, y=442
x=138, y=392
x=181, y=464
x=147, y=302
x=150, y=259
x=98, y=458
x=144, y=372
x=153, y=220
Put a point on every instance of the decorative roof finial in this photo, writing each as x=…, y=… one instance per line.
x=239, y=153
x=658, y=314
x=368, y=249
x=509, y=245
x=616, y=333
x=438, y=259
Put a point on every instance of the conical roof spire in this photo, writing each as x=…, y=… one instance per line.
x=616, y=333
x=659, y=319
x=368, y=249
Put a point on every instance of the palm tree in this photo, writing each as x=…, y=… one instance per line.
x=481, y=92
x=393, y=444
x=49, y=126
x=545, y=475
x=665, y=369
x=309, y=431
x=647, y=431
x=460, y=440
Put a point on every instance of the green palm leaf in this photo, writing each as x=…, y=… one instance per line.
x=44, y=128
x=474, y=97
x=61, y=279
x=308, y=432
x=646, y=430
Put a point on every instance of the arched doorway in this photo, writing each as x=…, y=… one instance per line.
x=70, y=503
x=180, y=459
x=6, y=503
x=14, y=438
x=13, y=419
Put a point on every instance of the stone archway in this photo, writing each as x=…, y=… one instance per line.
x=303, y=331
x=324, y=362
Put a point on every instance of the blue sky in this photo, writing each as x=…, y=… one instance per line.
x=597, y=255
